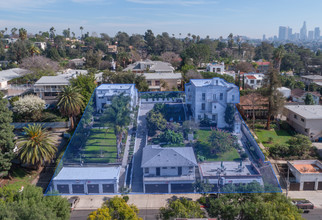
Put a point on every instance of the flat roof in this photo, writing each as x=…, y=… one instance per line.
x=306, y=111
x=162, y=76
x=6, y=75
x=212, y=82
x=62, y=79
x=307, y=168
x=114, y=86
x=88, y=173
x=230, y=168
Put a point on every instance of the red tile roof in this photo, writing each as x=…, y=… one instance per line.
x=263, y=63
x=251, y=77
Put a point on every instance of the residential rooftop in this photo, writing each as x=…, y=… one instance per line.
x=211, y=82
x=156, y=156
x=6, y=75
x=307, y=166
x=115, y=86
x=153, y=66
x=62, y=79
x=227, y=168
x=151, y=76
x=313, y=77
x=88, y=173
x=306, y=111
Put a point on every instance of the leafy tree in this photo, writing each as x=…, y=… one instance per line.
x=155, y=121
x=100, y=214
x=53, y=54
x=29, y=107
x=6, y=137
x=299, y=144
x=220, y=141
x=18, y=51
x=30, y=203
x=244, y=67
x=191, y=74
x=203, y=187
x=278, y=55
x=309, y=100
x=229, y=115
x=199, y=53
x=171, y=137
x=252, y=206
x=70, y=103
x=205, y=122
x=36, y=145
x=118, y=113
x=181, y=208
x=93, y=59
x=86, y=84
x=264, y=51
x=210, y=75
x=119, y=209
x=185, y=68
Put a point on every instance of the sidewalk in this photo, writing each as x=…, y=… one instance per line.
x=142, y=201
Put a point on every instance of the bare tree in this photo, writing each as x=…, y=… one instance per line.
x=39, y=64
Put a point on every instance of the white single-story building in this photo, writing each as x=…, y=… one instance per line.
x=87, y=180
x=308, y=173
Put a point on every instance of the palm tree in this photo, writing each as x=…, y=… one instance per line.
x=52, y=32
x=81, y=29
x=13, y=31
x=22, y=34
x=70, y=103
x=36, y=146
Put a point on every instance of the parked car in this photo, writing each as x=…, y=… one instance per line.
x=305, y=205
x=73, y=202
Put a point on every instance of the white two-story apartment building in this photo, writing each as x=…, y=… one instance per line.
x=105, y=93
x=209, y=98
x=168, y=169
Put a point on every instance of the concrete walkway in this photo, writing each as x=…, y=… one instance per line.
x=140, y=141
x=142, y=201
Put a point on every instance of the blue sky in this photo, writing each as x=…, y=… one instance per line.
x=215, y=18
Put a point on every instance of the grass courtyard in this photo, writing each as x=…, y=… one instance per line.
x=232, y=155
x=278, y=136
x=100, y=147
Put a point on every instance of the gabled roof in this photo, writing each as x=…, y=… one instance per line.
x=211, y=82
x=150, y=76
x=62, y=79
x=306, y=111
x=6, y=75
x=156, y=66
x=313, y=77
x=250, y=77
x=156, y=156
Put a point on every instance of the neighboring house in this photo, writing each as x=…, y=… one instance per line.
x=7, y=75
x=229, y=172
x=216, y=68
x=148, y=66
x=163, y=81
x=77, y=63
x=209, y=98
x=49, y=87
x=306, y=174
x=253, y=103
x=168, y=169
x=307, y=80
x=298, y=95
x=262, y=66
x=305, y=119
x=41, y=45
x=285, y=91
x=87, y=180
x=254, y=80
x=105, y=93
x=112, y=48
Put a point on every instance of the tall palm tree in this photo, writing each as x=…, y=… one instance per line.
x=81, y=29
x=52, y=32
x=70, y=103
x=36, y=146
x=13, y=31
x=22, y=34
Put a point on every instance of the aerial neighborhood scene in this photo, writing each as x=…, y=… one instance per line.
x=143, y=109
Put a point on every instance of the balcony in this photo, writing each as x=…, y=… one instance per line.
x=189, y=177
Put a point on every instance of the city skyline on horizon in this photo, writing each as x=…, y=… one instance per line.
x=199, y=17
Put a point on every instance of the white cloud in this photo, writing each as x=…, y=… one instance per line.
x=24, y=4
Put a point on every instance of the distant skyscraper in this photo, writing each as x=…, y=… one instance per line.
x=317, y=33
x=264, y=37
x=310, y=35
x=303, y=32
x=282, y=33
x=289, y=33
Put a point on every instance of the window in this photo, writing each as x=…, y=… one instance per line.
x=215, y=97
x=215, y=106
x=157, y=82
x=252, y=81
x=218, y=70
x=258, y=82
x=146, y=170
x=295, y=116
x=203, y=96
x=306, y=130
x=221, y=96
x=47, y=94
x=233, y=97
x=203, y=106
x=149, y=82
x=302, y=119
x=214, y=117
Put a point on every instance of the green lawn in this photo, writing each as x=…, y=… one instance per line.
x=231, y=155
x=100, y=147
x=279, y=136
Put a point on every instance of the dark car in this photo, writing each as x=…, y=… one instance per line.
x=305, y=205
x=73, y=202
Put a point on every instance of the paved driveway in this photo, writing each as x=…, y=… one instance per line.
x=137, y=175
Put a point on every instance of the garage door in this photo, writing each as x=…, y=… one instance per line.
x=92, y=188
x=182, y=188
x=156, y=188
x=63, y=188
x=320, y=186
x=78, y=188
x=108, y=188
x=308, y=185
x=294, y=186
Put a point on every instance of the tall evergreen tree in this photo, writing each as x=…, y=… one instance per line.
x=6, y=137
x=309, y=100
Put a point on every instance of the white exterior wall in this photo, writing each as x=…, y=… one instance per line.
x=85, y=183
x=212, y=98
x=216, y=68
x=239, y=181
x=3, y=84
x=166, y=172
